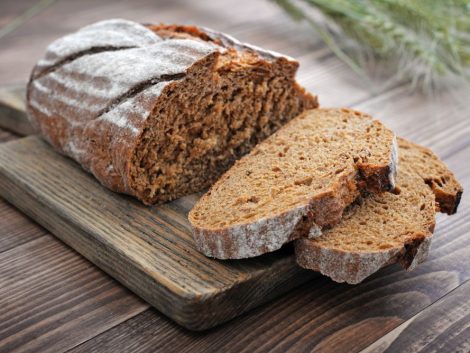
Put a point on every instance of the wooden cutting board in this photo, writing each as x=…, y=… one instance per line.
x=148, y=249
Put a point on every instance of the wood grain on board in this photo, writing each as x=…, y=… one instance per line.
x=34, y=314
x=18, y=230
x=442, y=327
x=402, y=102
x=304, y=313
x=320, y=316
x=12, y=111
x=386, y=300
x=148, y=249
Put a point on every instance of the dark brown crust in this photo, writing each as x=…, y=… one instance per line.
x=447, y=203
x=354, y=267
x=411, y=249
x=103, y=147
x=447, y=195
x=377, y=179
x=248, y=239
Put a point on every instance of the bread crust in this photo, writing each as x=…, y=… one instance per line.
x=269, y=234
x=353, y=267
x=447, y=194
x=92, y=94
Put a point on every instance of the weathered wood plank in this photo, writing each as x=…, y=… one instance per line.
x=16, y=228
x=442, y=327
x=52, y=299
x=29, y=42
x=320, y=316
x=149, y=249
x=6, y=136
x=401, y=97
x=12, y=111
x=440, y=121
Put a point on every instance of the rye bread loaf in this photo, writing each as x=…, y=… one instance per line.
x=388, y=228
x=299, y=179
x=160, y=111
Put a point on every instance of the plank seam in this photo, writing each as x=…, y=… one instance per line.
x=406, y=322
x=117, y=324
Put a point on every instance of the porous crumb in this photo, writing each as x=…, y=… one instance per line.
x=303, y=175
x=160, y=111
x=391, y=227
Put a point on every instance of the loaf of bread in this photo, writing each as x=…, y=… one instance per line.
x=298, y=180
x=388, y=228
x=160, y=111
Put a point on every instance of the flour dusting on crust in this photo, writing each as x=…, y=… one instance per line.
x=92, y=94
x=252, y=239
x=108, y=33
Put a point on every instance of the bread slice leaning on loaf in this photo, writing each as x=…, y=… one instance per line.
x=388, y=228
x=299, y=179
x=160, y=111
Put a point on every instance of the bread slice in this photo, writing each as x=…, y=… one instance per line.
x=387, y=228
x=300, y=178
x=447, y=190
x=160, y=111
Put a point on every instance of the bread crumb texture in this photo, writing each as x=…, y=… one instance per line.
x=302, y=176
x=378, y=230
x=160, y=111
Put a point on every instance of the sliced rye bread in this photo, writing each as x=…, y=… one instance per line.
x=436, y=175
x=388, y=228
x=160, y=111
x=299, y=179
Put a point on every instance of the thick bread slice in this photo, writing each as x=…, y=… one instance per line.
x=440, y=179
x=387, y=228
x=160, y=111
x=300, y=178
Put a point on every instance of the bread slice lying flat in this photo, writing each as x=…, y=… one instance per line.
x=387, y=228
x=299, y=179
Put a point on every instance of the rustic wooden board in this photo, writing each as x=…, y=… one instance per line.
x=12, y=111
x=148, y=249
x=58, y=312
x=321, y=316
x=87, y=300
x=442, y=327
x=326, y=316
x=19, y=229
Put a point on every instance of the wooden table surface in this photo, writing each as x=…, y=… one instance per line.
x=51, y=299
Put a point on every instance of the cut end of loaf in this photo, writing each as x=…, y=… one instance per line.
x=303, y=175
x=387, y=228
x=160, y=111
x=203, y=123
